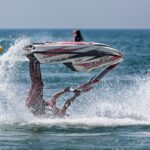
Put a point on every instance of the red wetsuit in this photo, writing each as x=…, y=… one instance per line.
x=35, y=100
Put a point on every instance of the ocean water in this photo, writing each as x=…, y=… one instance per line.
x=114, y=115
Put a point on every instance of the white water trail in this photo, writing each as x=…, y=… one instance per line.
x=100, y=107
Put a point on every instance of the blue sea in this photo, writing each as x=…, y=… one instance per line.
x=114, y=115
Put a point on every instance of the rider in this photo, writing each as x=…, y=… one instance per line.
x=35, y=102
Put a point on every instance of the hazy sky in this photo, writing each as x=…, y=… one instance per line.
x=74, y=13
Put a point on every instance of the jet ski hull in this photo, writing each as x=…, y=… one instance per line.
x=78, y=56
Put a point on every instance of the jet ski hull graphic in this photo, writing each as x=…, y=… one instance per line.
x=78, y=56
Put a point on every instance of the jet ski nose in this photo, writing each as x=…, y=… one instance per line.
x=116, y=56
x=119, y=57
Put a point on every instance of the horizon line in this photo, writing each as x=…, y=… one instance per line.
x=74, y=28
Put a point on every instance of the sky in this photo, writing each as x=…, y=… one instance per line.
x=75, y=14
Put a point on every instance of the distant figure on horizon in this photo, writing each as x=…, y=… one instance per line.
x=77, y=36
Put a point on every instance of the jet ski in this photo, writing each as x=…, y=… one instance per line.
x=78, y=56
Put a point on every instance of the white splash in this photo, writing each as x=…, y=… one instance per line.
x=11, y=102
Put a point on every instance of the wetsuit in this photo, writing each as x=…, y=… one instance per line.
x=35, y=100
